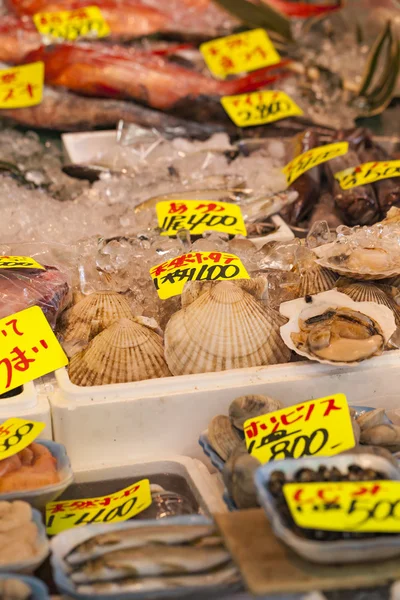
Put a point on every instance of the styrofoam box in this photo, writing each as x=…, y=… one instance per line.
x=28, y=405
x=84, y=147
x=167, y=415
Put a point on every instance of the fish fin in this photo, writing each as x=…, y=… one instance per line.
x=260, y=78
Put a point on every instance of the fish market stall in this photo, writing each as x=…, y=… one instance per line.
x=199, y=299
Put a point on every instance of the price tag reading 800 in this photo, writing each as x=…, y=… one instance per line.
x=16, y=434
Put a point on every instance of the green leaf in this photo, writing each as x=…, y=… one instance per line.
x=258, y=16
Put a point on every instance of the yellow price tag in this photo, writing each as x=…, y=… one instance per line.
x=19, y=262
x=16, y=434
x=198, y=216
x=170, y=277
x=72, y=24
x=28, y=348
x=113, y=508
x=372, y=506
x=259, y=108
x=367, y=173
x=312, y=158
x=319, y=427
x=239, y=53
x=22, y=86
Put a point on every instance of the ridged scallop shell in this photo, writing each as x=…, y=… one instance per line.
x=324, y=253
x=369, y=292
x=315, y=279
x=224, y=328
x=126, y=351
x=257, y=287
x=300, y=309
x=93, y=314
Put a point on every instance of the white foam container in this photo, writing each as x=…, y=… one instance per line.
x=84, y=147
x=167, y=415
x=30, y=404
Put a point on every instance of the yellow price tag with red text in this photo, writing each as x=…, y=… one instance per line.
x=85, y=22
x=19, y=262
x=260, y=108
x=367, y=173
x=312, y=158
x=198, y=216
x=113, y=508
x=239, y=53
x=319, y=427
x=16, y=434
x=28, y=348
x=170, y=277
x=372, y=506
x=22, y=86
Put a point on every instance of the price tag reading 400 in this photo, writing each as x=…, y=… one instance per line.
x=259, y=108
x=315, y=428
x=114, y=508
x=16, y=434
x=239, y=53
x=198, y=216
x=345, y=506
x=170, y=277
x=28, y=348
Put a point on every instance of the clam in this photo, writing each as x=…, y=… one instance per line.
x=238, y=476
x=371, y=418
x=222, y=436
x=92, y=314
x=386, y=435
x=125, y=351
x=369, y=292
x=251, y=405
x=226, y=327
x=331, y=328
x=376, y=450
x=356, y=431
x=358, y=263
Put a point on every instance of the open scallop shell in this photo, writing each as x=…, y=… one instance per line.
x=224, y=328
x=92, y=314
x=126, y=351
x=325, y=254
x=300, y=309
x=369, y=292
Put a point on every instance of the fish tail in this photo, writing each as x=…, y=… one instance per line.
x=258, y=79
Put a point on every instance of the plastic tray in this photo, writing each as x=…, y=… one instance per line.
x=39, y=590
x=340, y=551
x=64, y=542
x=29, y=566
x=40, y=497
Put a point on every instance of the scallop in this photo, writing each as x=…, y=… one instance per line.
x=92, y=314
x=226, y=327
x=358, y=263
x=257, y=286
x=369, y=292
x=249, y=406
x=315, y=279
x=331, y=328
x=126, y=351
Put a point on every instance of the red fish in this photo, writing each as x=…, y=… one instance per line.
x=118, y=72
x=301, y=9
x=17, y=38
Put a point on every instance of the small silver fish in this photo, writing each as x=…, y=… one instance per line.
x=225, y=576
x=151, y=561
x=262, y=208
x=133, y=537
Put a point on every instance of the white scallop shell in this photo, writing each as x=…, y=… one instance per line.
x=324, y=253
x=224, y=328
x=300, y=309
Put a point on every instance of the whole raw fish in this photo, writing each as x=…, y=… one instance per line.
x=64, y=111
x=118, y=72
x=18, y=36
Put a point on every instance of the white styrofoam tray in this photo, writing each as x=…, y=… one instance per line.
x=84, y=147
x=167, y=415
x=205, y=487
x=29, y=404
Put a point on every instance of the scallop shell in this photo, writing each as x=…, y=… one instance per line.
x=324, y=253
x=258, y=287
x=222, y=436
x=224, y=328
x=93, y=314
x=369, y=292
x=315, y=279
x=251, y=405
x=125, y=351
x=300, y=309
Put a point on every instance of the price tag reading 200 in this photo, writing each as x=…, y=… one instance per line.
x=16, y=434
x=170, y=277
x=319, y=427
